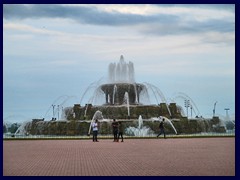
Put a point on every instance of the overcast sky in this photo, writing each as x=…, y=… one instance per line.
x=53, y=53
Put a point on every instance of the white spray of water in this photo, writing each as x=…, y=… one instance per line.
x=140, y=131
x=126, y=101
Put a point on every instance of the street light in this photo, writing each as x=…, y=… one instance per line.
x=214, y=108
x=187, y=105
x=62, y=112
x=227, y=116
x=58, y=112
x=53, y=110
x=191, y=110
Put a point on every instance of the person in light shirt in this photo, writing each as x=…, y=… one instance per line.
x=95, y=130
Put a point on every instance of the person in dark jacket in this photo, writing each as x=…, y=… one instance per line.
x=120, y=130
x=115, y=130
x=162, y=129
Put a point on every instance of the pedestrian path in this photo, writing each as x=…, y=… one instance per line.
x=133, y=157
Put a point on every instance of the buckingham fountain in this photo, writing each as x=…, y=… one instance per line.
x=127, y=101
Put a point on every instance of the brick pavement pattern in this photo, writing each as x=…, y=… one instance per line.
x=133, y=157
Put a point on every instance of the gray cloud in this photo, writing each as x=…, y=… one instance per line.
x=160, y=24
x=191, y=27
x=227, y=7
x=89, y=15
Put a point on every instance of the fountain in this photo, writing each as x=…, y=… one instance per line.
x=140, y=131
x=120, y=91
x=127, y=101
x=144, y=131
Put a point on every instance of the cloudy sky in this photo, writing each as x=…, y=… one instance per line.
x=53, y=53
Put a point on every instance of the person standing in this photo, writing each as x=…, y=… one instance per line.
x=115, y=130
x=120, y=130
x=162, y=129
x=95, y=130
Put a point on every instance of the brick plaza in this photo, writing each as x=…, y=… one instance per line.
x=133, y=157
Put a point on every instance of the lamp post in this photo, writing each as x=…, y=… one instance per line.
x=58, y=112
x=53, y=109
x=227, y=116
x=187, y=105
x=191, y=110
x=62, y=113
x=214, y=108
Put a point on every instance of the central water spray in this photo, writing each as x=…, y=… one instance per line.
x=126, y=100
x=121, y=72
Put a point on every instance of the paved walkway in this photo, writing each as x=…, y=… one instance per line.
x=134, y=157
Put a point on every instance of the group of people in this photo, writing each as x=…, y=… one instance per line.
x=117, y=128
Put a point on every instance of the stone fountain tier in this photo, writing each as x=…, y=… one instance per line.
x=114, y=92
x=80, y=127
x=121, y=111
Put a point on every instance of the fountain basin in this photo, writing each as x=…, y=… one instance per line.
x=114, y=93
x=80, y=127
